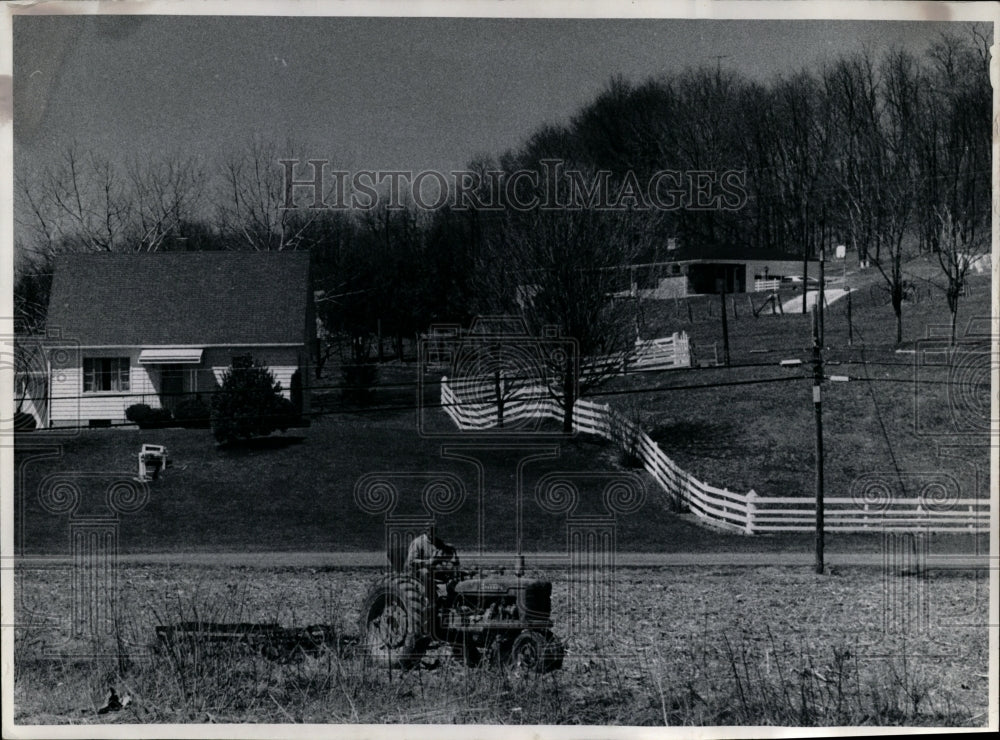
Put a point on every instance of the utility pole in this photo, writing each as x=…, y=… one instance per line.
x=725, y=325
x=805, y=264
x=817, y=360
x=821, y=297
x=850, y=325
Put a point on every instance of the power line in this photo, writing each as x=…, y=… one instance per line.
x=430, y=382
x=885, y=433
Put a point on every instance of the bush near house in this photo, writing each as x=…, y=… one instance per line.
x=148, y=417
x=193, y=413
x=249, y=403
x=23, y=422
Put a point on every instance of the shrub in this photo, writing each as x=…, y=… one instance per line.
x=248, y=404
x=359, y=380
x=137, y=412
x=193, y=413
x=147, y=417
x=24, y=422
x=286, y=415
x=295, y=390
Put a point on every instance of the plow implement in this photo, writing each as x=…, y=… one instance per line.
x=271, y=641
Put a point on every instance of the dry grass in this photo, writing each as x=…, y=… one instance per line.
x=782, y=647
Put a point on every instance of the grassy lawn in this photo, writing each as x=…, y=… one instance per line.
x=683, y=646
x=892, y=415
x=775, y=336
x=296, y=491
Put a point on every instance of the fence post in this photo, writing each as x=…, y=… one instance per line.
x=850, y=325
x=751, y=510
x=681, y=354
x=972, y=519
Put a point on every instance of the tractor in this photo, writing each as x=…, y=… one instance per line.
x=495, y=619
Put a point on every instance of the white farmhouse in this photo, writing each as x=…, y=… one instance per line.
x=161, y=327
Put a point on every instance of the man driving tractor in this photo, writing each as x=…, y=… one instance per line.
x=428, y=553
x=427, y=601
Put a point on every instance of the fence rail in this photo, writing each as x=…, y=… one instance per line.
x=749, y=512
x=760, y=285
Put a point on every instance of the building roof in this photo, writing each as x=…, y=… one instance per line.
x=730, y=252
x=193, y=298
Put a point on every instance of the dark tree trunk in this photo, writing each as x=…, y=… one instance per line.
x=499, y=396
x=897, y=307
x=569, y=394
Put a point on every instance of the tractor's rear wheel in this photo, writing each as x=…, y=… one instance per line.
x=394, y=622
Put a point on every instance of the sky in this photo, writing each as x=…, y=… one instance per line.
x=368, y=93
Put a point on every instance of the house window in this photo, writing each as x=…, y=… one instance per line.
x=105, y=374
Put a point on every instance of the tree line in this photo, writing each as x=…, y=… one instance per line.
x=888, y=155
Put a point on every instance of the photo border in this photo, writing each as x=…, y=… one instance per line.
x=527, y=9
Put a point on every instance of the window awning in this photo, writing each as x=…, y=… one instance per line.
x=186, y=356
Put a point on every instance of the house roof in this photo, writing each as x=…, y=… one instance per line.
x=170, y=298
x=730, y=252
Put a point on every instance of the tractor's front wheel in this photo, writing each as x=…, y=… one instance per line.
x=536, y=652
x=395, y=622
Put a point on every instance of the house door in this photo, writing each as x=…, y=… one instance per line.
x=171, y=387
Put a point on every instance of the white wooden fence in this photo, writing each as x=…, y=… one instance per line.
x=742, y=512
x=665, y=353
x=762, y=284
x=661, y=354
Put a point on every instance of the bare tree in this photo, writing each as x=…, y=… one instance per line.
x=251, y=200
x=32, y=282
x=802, y=140
x=876, y=172
x=166, y=195
x=955, y=158
x=561, y=269
x=961, y=245
x=79, y=203
x=852, y=88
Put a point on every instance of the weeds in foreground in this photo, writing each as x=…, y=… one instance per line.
x=745, y=678
x=840, y=688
